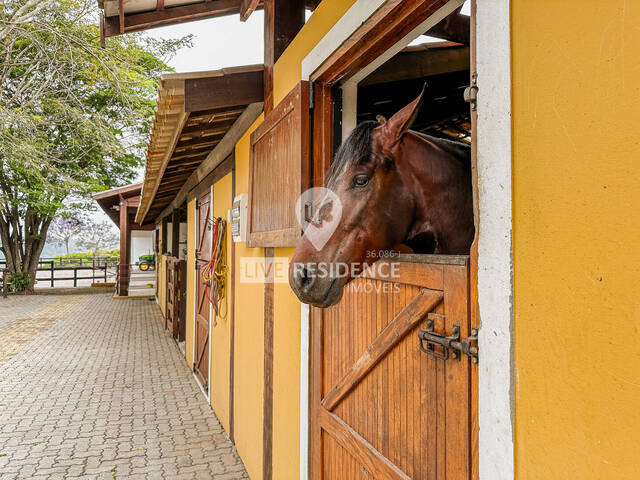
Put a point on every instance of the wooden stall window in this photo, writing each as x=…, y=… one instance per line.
x=279, y=171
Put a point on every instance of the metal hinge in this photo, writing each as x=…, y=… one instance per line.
x=471, y=92
x=451, y=345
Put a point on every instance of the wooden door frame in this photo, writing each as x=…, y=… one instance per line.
x=371, y=30
x=206, y=393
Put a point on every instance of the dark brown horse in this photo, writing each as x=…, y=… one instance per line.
x=394, y=186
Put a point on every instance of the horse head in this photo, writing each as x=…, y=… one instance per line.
x=373, y=204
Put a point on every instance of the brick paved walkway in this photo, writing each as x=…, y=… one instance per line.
x=92, y=387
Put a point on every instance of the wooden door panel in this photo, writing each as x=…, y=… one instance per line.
x=203, y=249
x=396, y=411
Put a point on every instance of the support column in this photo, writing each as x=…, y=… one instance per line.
x=283, y=19
x=125, y=242
x=175, y=233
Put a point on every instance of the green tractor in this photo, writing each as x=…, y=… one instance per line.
x=147, y=262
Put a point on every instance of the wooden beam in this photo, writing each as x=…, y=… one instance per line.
x=455, y=28
x=217, y=155
x=224, y=91
x=103, y=42
x=247, y=7
x=283, y=19
x=408, y=65
x=121, y=16
x=267, y=401
x=168, y=16
x=175, y=233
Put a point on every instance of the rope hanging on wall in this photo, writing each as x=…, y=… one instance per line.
x=214, y=271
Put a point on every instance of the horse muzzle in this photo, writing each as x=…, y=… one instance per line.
x=314, y=288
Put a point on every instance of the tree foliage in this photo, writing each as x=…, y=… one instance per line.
x=97, y=236
x=62, y=230
x=74, y=118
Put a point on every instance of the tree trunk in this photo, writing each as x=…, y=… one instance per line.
x=36, y=244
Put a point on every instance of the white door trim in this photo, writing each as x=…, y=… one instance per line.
x=495, y=260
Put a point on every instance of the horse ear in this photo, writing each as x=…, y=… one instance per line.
x=397, y=125
x=381, y=120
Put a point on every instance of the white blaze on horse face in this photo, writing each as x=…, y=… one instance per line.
x=318, y=211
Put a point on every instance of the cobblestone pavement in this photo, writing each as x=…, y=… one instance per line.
x=92, y=387
x=16, y=307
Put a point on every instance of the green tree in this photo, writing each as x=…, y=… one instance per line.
x=74, y=118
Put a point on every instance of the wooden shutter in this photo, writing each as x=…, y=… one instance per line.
x=279, y=171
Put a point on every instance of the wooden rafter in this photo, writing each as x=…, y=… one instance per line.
x=247, y=7
x=455, y=28
x=196, y=11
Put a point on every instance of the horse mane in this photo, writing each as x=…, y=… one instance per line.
x=356, y=149
x=459, y=150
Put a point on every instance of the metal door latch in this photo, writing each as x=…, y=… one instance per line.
x=451, y=345
x=471, y=93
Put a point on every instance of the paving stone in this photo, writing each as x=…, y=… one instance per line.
x=92, y=387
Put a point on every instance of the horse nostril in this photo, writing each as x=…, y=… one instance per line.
x=305, y=279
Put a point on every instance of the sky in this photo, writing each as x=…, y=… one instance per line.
x=217, y=43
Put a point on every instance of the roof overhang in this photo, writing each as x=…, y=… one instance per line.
x=199, y=117
x=110, y=201
x=124, y=16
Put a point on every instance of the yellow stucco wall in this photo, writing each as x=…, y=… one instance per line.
x=248, y=340
x=286, y=379
x=220, y=332
x=576, y=197
x=191, y=287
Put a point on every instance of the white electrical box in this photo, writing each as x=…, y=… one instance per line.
x=239, y=213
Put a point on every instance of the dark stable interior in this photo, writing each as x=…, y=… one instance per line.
x=442, y=65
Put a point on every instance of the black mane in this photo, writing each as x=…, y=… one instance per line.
x=356, y=149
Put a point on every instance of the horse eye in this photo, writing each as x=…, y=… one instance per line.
x=360, y=181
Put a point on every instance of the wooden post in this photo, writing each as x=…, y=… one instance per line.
x=175, y=233
x=5, y=288
x=123, y=280
x=283, y=19
x=105, y=271
x=165, y=225
x=75, y=276
x=53, y=271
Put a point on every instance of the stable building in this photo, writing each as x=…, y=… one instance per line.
x=348, y=392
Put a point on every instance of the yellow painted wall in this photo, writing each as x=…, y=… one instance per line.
x=286, y=379
x=191, y=287
x=220, y=332
x=576, y=198
x=249, y=340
